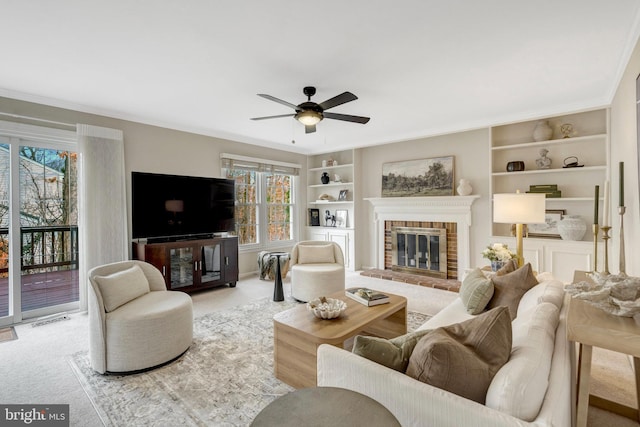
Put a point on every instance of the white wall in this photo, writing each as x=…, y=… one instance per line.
x=472, y=161
x=624, y=147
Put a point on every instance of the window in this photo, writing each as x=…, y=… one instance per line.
x=264, y=196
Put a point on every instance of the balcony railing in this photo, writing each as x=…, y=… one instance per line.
x=49, y=266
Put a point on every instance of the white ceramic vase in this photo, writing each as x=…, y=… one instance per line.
x=572, y=227
x=464, y=189
x=542, y=131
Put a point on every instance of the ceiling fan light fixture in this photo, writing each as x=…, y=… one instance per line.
x=309, y=117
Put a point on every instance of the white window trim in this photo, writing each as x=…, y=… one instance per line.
x=263, y=244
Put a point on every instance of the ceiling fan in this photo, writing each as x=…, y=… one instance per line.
x=310, y=114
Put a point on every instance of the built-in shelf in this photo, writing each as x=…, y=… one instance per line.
x=588, y=145
x=553, y=170
x=332, y=184
x=332, y=202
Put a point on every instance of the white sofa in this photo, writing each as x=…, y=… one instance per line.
x=513, y=388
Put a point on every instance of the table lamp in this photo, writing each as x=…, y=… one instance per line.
x=519, y=208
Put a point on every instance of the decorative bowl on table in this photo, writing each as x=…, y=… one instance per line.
x=326, y=308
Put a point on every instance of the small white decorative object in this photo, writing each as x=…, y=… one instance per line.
x=542, y=131
x=572, y=227
x=326, y=308
x=464, y=189
x=617, y=294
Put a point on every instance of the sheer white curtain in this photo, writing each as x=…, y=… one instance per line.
x=103, y=198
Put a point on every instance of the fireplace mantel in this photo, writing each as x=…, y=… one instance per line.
x=439, y=209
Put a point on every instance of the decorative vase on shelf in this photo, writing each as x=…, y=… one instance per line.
x=572, y=227
x=464, y=189
x=325, y=178
x=542, y=131
x=497, y=265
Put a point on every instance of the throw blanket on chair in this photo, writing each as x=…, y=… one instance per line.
x=267, y=265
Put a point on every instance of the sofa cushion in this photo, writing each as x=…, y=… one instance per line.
x=476, y=291
x=509, y=289
x=314, y=254
x=547, y=291
x=519, y=387
x=119, y=288
x=463, y=358
x=393, y=353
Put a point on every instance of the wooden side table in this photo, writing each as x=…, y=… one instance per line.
x=589, y=326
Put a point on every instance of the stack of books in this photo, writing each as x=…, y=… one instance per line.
x=550, y=190
x=367, y=296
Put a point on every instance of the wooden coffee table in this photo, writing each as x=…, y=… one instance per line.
x=298, y=334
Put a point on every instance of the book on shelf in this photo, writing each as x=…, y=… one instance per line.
x=543, y=188
x=367, y=296
x=549, y=194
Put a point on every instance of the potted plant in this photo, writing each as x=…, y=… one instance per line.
x=499, y=254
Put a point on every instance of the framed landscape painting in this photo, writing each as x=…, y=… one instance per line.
x=414, y=178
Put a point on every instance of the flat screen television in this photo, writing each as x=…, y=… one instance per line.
x=173, y=207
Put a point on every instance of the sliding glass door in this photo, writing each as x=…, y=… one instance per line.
x=38, y=226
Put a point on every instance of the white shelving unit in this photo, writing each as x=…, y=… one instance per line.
x=589, y=143
x=345, y=169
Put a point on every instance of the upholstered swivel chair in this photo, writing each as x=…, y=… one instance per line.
x=134, y=322
x=317, y=269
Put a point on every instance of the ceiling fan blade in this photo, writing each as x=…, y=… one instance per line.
x=310, y=129
x=338, y=100
x=279, y=101
x=272, y=117
x=346, y=118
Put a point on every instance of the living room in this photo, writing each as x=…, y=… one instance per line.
x=155, y=147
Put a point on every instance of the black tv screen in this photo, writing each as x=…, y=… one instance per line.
x=173, y=206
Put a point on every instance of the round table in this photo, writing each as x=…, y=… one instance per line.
x=325, y=406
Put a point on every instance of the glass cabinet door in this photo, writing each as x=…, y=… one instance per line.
x=181, y=260
x=210, y=263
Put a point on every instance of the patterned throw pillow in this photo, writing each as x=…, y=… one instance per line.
x=476, y=291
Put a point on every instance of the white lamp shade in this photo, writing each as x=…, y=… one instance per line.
x=519, y=208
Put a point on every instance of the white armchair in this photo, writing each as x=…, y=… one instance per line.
x=317, y=269
x=134, y=322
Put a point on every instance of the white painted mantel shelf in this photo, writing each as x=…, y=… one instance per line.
x=455, y=209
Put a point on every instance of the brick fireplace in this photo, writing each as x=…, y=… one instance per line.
x=451, y=213
x=429, y=248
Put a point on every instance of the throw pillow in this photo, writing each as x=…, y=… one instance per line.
x=508, y=289
x=119, y=288
x=509, y=267
x=313, y=254
x=476, y=291
x=393, y=353
x=519, y=387
x=463, y=358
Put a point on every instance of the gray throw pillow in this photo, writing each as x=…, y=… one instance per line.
x=464, y=357
x=476, y=291
x=393, y=353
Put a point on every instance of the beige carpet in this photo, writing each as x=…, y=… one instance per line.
x=8, y=334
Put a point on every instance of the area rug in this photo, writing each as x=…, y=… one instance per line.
x=8, y=334
x=224, y=379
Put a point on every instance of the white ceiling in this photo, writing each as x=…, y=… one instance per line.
x=419, y=67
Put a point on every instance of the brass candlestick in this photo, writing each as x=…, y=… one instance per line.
x=621, y=211
x=605, y=239
x=596, y=228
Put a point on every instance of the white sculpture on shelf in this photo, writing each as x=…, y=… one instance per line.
x=617, y=294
